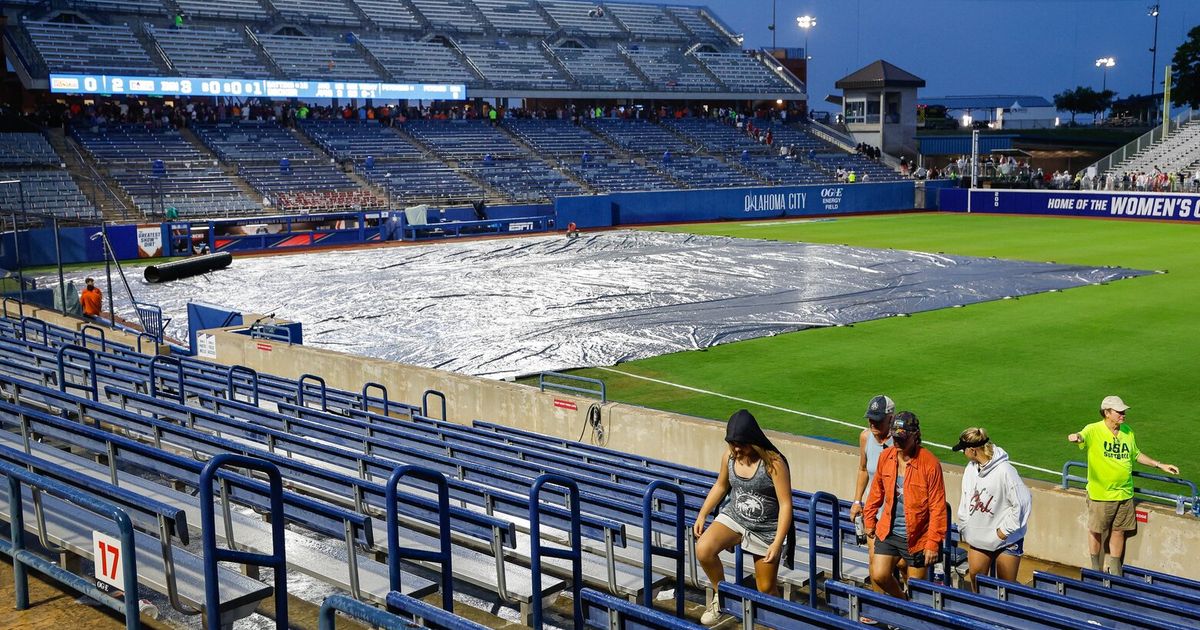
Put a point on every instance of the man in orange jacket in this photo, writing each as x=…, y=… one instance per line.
x=90, y=299
x=908, y=485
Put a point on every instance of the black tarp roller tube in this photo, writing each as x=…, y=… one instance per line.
x=187, y=267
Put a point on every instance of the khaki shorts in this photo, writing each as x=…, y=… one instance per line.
x=1111, y=515
x=752, y=542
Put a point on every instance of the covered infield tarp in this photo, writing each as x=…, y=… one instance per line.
x=507, y=307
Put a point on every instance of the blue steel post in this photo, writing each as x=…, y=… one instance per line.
x=230, y=386
x=425, y=402
x=16, y=475
x=327, y=618
x=16, y=529
x=574, y=553
x=835, y=523
x=300, y=390
x=277, y=559
x=169, y=360
x=649, y=549
x=62, y=369
x=366, y=397
x=83, y=336
x=443, y=556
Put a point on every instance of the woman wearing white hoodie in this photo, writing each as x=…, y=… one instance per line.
x=993, y=514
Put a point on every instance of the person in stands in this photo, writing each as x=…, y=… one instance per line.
x=871, y=444
x=757, y=513
x=90, y=299
x=906, y=508
x=1111, y=451
x=993, y=512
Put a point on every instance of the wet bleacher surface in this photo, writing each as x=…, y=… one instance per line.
x=66, y=405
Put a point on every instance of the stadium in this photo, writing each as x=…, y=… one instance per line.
x=431, y=313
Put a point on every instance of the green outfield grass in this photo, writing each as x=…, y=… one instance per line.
x=1030, y=370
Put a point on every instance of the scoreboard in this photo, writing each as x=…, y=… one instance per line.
x=267, y=88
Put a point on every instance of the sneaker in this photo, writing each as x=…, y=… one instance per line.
x=712, y=614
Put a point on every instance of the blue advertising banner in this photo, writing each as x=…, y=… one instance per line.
x=732, y=203
x=1124, y=205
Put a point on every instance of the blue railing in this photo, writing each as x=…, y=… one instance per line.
x=152, y=386
x=327, y=618
x=70, y=349
x=425, y=402
x=1180, y=501
x=152, y=319
x=650, y=549
x=536, y=551
x=212, y=555
x=302, y=384
x=601, y=390
x=271, y=332
x=83, y=336
x=443, y=555
x=367, y=399
x=231, y=385
x=23, y=559
x=814, y=547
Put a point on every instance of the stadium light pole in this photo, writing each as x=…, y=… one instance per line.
x=1153, y=12
x=1104, y=63
x=772, y=26
x=806, y=22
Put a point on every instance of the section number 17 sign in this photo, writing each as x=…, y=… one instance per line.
x=109, y=559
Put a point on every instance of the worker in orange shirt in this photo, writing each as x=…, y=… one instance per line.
x=90, y=299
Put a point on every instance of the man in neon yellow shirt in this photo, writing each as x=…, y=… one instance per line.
x=1111, y=451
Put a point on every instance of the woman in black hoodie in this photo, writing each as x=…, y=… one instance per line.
x=755, y=477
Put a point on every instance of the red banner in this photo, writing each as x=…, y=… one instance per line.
x=565, y=404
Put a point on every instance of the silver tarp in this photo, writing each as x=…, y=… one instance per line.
x=506, y=307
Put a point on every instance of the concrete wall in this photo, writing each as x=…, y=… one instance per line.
x=1165, y=543
x=74, y=323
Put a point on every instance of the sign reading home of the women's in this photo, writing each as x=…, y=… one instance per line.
x=1126, y=205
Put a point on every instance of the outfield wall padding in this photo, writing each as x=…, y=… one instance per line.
x=758, y=202
x=1147, y=206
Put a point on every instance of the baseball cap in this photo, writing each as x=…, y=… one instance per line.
x=906, y=422
x=880, y=407
x=1113, y=402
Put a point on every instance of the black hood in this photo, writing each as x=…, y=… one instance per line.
x=744, y=429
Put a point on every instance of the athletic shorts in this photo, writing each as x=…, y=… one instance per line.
x=1111, y=515
x=893, y=545
x=753, y=543
x=1014, y=549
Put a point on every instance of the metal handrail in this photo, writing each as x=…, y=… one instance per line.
x=781, y=70
x=650, y=549
x=22, y=559
x=835, y=548
x=1168, y=498
x=602, y=391
x=831, y=135
x=573, y=551
x=1141, y=142
x=425, y=402
x=443, y=555
x=276, y=560
x=98, y=179
x=327, y=617
x=88, y=353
